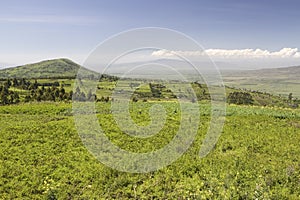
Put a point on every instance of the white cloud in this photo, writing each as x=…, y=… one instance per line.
x=233, y=54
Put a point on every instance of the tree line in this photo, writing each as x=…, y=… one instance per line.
x=240, y=98
x=35, y=91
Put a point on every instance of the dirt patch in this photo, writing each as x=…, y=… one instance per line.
x=295, y=124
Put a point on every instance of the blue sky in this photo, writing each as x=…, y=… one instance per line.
x=34, y=30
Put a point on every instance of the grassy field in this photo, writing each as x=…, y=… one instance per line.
x=42, y=156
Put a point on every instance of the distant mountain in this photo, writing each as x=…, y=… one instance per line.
x=45, y=69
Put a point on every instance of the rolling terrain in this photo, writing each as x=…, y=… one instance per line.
x=266, y=86
x=42, y=155
x=279, y=81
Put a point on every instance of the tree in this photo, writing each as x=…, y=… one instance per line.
x=16, y=97
x=15, y=82
x=135, y=99
x=290, y=97
x=4, y=99
x=240, y=98
x=155, y=90
x=62, y=90
x=27, y=98
x=56, y=92
x=70, y=95
x=8, y=82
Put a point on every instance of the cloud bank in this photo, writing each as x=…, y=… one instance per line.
x=233, y=54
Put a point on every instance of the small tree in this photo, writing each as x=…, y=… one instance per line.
x=290, y=97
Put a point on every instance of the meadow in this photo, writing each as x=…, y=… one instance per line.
x=42, y=156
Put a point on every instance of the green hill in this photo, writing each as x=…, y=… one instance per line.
x=45, y=69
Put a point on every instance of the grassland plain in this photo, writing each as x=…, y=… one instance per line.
x=42, y=156
x=279, y=81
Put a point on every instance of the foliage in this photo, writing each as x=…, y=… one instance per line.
x=240, y=98
x=7, y=96
x=42, y=157
x=45, y=91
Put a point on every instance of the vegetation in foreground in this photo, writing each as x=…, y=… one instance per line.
x=42, y=157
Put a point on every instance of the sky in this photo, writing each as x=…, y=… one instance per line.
x=231, y=30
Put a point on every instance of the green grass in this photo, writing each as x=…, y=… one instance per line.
x=42, y=156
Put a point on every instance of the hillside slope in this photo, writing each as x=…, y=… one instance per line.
x=44, y=69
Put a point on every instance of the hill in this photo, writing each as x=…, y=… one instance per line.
x=44, y=69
